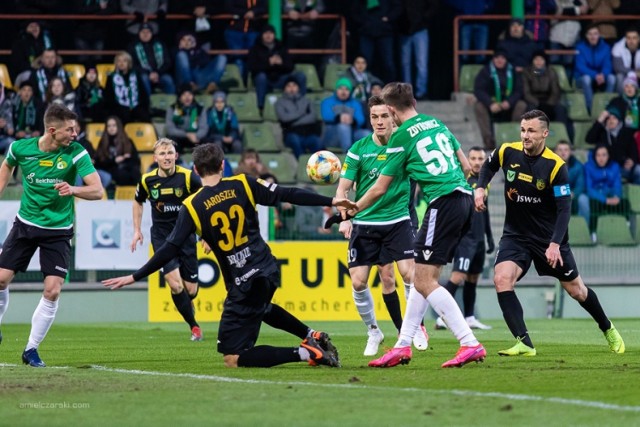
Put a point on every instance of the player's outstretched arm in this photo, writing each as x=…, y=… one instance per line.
x=91, y=190
x=137, y=222
x=118, y=282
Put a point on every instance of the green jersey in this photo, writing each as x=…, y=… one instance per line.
x=425, y=149
x=363, y=164
x=41, y=205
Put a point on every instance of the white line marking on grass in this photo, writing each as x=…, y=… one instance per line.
x=466, y=393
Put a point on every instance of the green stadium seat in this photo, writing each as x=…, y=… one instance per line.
x=309, y=70
x=12, y=192
x=579, y=234
x=259, y=137
x=245, y=106
x=332, y=73
x=557, y=132
x=632, y=192
x=600, y=102
x=576, y=106
x=231, y=80
x=161, y=101
x=580, y=130
x=565, y=83
x=205, y=100
x=468, y=73
x=506, y=132
x=282, y=165
x=613, y=230
x=269, y=112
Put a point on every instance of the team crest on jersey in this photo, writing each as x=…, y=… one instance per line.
x=511, y=175
x=155, y=193
x=540, y=184
x=61, y=164
x=179, y=192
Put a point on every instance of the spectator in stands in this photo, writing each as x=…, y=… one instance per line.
x=626, y=56
x=6, y=118
x=473, y=34
x=565, y=33
x=604, y=186
x=343, y=117
x=609, y=130
x=499, y=96
x=90, y=97
x=57, y=93
x=301, y=27
x=143, y=9
x=105, y=177
x=297, y=118
x=152, y=60
x=413, y=34
x=579, y=201
x=91, y=34
x=542, y=90
x=224, y=128
x=517, y=45
x=270, y=65
x=606, y=27
x=46, y=67
x=593, y=70
x=124, y=94
x=28, y=113
x=28, y=46
x=194, y=65
x=201, y=25
x=539, y=28
x=375, y=23
x=362, y=80
x=186, y=120
x=251, y=164
x=244, y=28
x=117, y=155
x=627, y=103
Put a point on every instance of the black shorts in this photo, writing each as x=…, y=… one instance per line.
x=244, y=309
x=24, y=239
x=468, y=257
x=187, y=261
x=447, y=219
x=523, y=253
x=380, y=244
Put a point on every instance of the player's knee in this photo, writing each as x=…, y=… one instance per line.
x=503, y=282
x=175, y=286
x=358, y=286
x=230, y=360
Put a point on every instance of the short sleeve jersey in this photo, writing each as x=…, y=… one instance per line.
x=41, y=205
x=425, y=149
x=166, y=194
x=363, y=164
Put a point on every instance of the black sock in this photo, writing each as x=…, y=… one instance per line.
x=279, y=318
x=514, y=316
x=183, y=304
x=265, y=356
x=393, y=307
x=469, y=298
x=194, y=296
x=451, y=287
x=593, y=307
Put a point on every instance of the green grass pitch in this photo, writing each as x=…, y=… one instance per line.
x=146, y=374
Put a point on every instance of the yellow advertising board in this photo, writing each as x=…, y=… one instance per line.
x=315, y=285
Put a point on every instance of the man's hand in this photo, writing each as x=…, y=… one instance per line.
x=345, y=228
x=343, y=203
x=553, y=255
x=491, y=246
x=118, y=282
x=137, y=237
x=64, y=189
x=478, y=198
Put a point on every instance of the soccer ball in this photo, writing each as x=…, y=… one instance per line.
x=323, y=167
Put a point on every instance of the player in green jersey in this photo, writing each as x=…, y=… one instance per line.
x=423, y=147
x=50, y=164
x=382, y=233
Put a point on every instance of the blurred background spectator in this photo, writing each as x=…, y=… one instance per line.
x=223, y=125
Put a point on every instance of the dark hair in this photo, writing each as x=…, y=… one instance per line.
x=536, y=114
x=207, y=159
x=565, y=142
x=632, y=29
x=57, y=114
x=375, y=100
x=121, y=141
x=398, y=95
x=476, y=148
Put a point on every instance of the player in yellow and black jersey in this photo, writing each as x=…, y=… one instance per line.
x=224, y=214
x=165, y=188
x=538, y=199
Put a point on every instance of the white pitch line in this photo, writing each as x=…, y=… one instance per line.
x=466, y=393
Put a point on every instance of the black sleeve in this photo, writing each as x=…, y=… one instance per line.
x=269, y=194
x=171, y=248
x=563, y=207
x=487, y=224
x=489, y=169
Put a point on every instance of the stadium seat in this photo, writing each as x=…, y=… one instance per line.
x=576, y=106
x=600, y=102
x=283, y=166
x=205, y=100
x=579, y=234
x=632, y=192
x=146, y=160
x=244, y=104
x=580, y=130
x=506, y=132
x=5, y=78
x=125, y=192
x=94, y=132
x=332, y=73
x=613, y=230
x=143, y=135
x=468, y=73
x=75, y=73
x=103, y=71
x=309, y=70
x=232, y=79
x=12, y=192
x=557, y=132
x=269, y=112
x=259, y=137
x=565, y=83
x=160, y=102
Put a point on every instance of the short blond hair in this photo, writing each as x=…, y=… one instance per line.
x=164, y=141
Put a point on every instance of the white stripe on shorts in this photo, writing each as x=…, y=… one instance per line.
x=431, y=227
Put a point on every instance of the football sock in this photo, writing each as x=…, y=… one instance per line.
x=265, y=356
x=593, y=307
x=514, y=316
x=469, y=298
x=4, y=302
x=444, y=304
x=41, y=321
x=195, y=295
x=182, y=301
x=451, y=287
x=416, y=307
x=279, y=318
x=407, y=291
x=364, y=303
x=393, y=307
